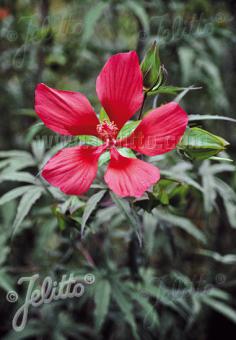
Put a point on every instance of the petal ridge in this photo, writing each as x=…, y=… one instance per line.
x=119, y=87
x=65, y=112
x=159, y=131
x=129, y=176
x=73, y=169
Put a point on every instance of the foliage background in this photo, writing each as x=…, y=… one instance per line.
x=65, y=44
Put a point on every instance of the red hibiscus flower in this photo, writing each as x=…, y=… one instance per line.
x=120, y=90
x=4, y=13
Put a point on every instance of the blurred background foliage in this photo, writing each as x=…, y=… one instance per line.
x=181, y=283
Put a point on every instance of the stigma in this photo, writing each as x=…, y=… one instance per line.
x=107, y=131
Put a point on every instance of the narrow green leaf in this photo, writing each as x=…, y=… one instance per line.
x=193, y=118
x=167, y=90
x=14, y=153
x=6, y=281
x=140, y=13
x=26, y=203
x=183, y=178
x=172, y=90
x=221, y=308
x=102, y=300
x=221, y=159
x=90, y=20
x=184, y=92
x=180, y=222
x=90, y=207
x=226, y=259
x=126, y=309
x=162, y=295
x=18, y=177
x=38, y=149
x=148, y=311
x=229, y=199
x=208, y=183
x=104, y=158
x=14, y=193
x=125, y=209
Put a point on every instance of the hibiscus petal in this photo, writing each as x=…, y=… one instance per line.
x=159, y=132
x=130, y=176
x=65, y=112
x=73, y=169
x=120, y=87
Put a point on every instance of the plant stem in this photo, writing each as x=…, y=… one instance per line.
x=141, y=110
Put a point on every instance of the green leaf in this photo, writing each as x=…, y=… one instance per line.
x=91, y=18
x=186, y=56
x=90, y=207
x=208, y=183
x=128, y=128
x=180, y=222
x=182, y=177
x=167, y=90
x=226, y=259
x=221, y=159
x=126, y=211
x=38, y=149
x=222, y=167
x=184, y=92
x=18, y=177
x=172, y=90
x=148, y=312
x=26, y=203
x=219, y=294
x=17, y=163
x=125, y=307
x=201, y=144
x=104, y=158
x=140, y=13
x=193, y=118
x=161, y=294
x=6, y=281
x=229, y=199
x=4, y=249
x=160, y=191
x=26, y=112
x=14, y=193
x=221, y=307
x=14, y=153
x=102, y=300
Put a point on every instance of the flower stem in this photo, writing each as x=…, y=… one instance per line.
x=141, y=110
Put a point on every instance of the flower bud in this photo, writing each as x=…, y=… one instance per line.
x=200, y=144
x=153, y=71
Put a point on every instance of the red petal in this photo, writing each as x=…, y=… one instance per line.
x=73, y=169
x=120, y=87
x=65, y=112
x=130, y=176
x=159, y=132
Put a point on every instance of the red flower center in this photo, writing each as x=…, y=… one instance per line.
x=108, y=131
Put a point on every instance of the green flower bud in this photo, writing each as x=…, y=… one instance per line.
x=200, y=144
x=153, y=71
